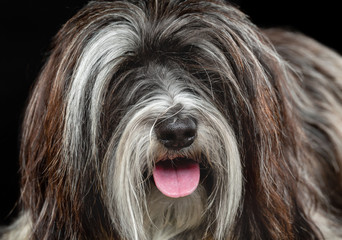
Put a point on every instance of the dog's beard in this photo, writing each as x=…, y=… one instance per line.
x=132, y=198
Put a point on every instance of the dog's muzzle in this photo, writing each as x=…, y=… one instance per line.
x=179, y=176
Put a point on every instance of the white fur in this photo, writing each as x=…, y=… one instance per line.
x=134, y=149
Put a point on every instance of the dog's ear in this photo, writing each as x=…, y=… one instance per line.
x=57, y=164
x=256, y=81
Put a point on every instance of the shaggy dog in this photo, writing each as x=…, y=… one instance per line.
x=170, y=119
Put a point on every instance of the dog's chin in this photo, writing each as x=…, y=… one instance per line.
x=168, y=216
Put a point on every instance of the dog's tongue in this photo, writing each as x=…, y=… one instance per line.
x=177, y=178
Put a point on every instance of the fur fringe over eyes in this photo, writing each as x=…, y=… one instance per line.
x=257, y=112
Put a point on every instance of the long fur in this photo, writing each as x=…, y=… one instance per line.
x=268, y=104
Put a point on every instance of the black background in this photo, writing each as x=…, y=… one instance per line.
x=27, y=28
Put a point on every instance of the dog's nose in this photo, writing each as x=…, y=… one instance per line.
x=176, y=133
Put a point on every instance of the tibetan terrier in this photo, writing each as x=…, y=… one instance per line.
x=170, y=119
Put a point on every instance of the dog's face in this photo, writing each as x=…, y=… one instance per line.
x=165, y=127
x=172, y=130
x=160, y=113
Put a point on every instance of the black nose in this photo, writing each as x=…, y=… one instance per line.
x=176, y=133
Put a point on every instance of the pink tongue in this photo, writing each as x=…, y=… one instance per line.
x=178, y=178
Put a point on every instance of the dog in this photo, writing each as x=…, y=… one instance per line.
x=170, y=119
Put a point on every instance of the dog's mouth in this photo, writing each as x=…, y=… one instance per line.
x=178, y=177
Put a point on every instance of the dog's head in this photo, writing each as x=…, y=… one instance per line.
x=150, y=114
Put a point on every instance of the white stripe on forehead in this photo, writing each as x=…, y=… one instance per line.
x=94, y=70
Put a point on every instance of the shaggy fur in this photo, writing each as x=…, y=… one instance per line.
x=268, y=109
